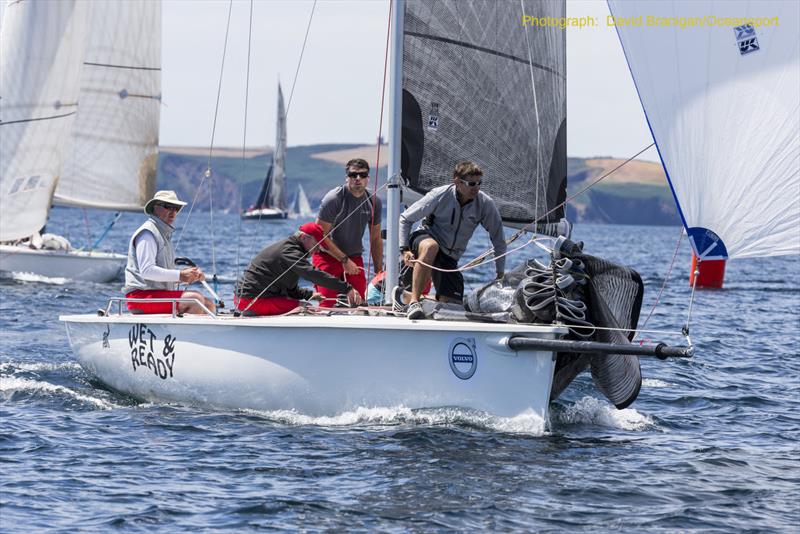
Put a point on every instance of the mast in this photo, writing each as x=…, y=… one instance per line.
x=395, y=131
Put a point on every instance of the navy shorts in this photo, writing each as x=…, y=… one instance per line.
x=450, y=285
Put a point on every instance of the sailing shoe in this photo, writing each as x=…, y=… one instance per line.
x=397, y=300
x=415, y=311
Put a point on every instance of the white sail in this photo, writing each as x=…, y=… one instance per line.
x=42, y=47
x=113, y=156
x=722, y=99
x=303, y=207
x=277, y=191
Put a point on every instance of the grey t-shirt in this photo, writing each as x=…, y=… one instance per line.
x=336, y=205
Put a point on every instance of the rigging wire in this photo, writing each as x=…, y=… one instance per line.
x=666, y=279
x=244, y=137
x=207, y=173
x=300, y=61
x=380, y=129
x=327, y=235
x=485, y=254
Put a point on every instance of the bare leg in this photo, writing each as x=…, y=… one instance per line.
x=193, y=307
x=428, y=249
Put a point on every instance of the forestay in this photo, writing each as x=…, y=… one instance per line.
x=479, y=84
x=723, y=104
x=114, y=151
x=41, y=46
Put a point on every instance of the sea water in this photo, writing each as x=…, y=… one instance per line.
x=710, y=444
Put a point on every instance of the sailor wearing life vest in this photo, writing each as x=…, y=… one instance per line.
x=151, y=272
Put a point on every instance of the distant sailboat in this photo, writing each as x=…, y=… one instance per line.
x=271, y=202
x=301, y=207
x=80, y=91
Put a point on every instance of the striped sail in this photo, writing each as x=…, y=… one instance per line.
x=114, y=151
x=722, y=99
x=41, y=46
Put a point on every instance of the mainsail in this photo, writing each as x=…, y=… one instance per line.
x=42, y=47
x=114, y=151
x=277, y=187
x=720, y=86
x=479, y=83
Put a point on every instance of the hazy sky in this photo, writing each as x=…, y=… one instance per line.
x=337, y=95
x=338, y=91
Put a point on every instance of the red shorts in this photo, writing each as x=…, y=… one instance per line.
x=329, y=264
x=266, y=305
x=153, y=307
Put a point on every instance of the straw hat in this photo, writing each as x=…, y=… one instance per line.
x=167, y=197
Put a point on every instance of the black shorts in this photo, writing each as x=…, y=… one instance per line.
x=450, y=285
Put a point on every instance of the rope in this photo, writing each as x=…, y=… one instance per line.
x=479, y=259
x=691, y=298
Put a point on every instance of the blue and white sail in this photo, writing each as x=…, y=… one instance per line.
x=720, y=86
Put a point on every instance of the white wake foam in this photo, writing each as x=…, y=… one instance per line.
x=9, y=367
x=654, y=383
x=11, y=385
x=593, y=411
x=32, y=277
x=527, y=422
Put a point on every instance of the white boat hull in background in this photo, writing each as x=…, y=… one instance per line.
x=73, y=264
x=265, y=214
x=316, y=365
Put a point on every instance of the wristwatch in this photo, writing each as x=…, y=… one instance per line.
x=344, y=259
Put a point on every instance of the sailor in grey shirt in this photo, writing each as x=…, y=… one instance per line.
x=345, y=213
x=449, y=215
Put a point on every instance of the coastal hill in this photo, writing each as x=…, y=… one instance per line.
x=635, y=194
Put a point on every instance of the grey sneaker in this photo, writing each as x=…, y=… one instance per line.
x=397, y=300
x=415, y=311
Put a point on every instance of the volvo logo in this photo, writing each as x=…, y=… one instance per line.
x=463, y=357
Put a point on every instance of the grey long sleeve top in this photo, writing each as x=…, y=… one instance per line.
x=452, y=224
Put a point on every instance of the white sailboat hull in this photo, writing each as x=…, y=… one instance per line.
x=265, y=214
x=316, y=365
x=73, y=264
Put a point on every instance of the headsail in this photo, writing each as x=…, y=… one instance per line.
x=723, y=102
x=480, y=83
x=301, y=205
x=113, y=157
x=277, y=190
x=42, y=49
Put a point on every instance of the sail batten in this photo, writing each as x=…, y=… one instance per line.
x=41, y=46
x=723, y=105
x=113, y=157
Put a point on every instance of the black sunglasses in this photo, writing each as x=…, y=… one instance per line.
x=171, y=207
x=364, y=174
x=471, y=184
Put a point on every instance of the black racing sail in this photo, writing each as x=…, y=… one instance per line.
x=481, y=83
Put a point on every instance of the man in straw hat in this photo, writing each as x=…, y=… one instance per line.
x=269, y=285
x=151, y=272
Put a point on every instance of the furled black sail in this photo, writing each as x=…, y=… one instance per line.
x=479, y=84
